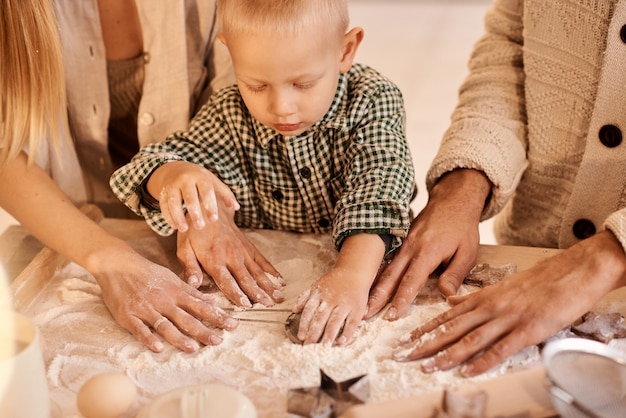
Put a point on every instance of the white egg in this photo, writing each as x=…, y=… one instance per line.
x=106, y=395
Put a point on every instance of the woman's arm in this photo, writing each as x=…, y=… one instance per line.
x=136, y=291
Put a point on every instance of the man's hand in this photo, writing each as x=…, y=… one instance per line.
x=484, y=328
x=444, y=233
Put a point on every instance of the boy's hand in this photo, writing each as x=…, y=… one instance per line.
x=338, y=299
x=179, y=182
x=331, y=309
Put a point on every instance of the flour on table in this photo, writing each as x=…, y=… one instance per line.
x=81, y=339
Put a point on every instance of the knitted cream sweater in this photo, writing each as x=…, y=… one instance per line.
x=544, y=80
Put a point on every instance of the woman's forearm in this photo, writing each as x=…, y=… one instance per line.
x=35, y=200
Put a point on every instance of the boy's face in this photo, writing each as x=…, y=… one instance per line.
x=287, y=83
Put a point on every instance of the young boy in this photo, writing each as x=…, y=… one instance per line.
x=306, y=141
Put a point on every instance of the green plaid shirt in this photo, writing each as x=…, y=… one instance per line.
x=351, y=172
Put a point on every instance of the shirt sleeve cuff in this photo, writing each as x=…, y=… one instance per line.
x=500, y=155
x=147, y=199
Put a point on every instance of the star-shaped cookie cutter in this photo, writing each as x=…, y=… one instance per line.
x=330, y=399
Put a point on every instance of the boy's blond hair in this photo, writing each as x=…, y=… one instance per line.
x=32, y=83
x=283, y=17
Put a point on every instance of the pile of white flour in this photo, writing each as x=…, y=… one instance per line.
x=81, y=339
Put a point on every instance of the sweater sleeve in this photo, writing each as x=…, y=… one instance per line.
x=616, y=223
x=488, y=128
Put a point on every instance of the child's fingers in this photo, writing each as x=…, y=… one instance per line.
x=172, y=209
x=317, y=324
x=308, y=313
x=302, y=300
x=208, y=200
x=334, y=325
x=192, y=203
x=349, y=329
x=165, y=211
x=223, y=192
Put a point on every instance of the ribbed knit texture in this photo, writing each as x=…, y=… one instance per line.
x=125, y=88
x=545, y=77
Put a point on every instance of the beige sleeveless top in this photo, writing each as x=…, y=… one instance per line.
x=125, y=89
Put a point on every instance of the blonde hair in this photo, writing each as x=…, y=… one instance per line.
x=283, y=17
x=32, y=84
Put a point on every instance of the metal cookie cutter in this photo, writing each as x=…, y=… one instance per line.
x=290, y=324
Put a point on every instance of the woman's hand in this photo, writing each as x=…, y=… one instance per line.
x=482, y=329
x=233, y=262
x=140, y=293
x=137, y=292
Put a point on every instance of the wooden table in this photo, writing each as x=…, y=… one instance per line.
x=33, y=279
x=522, y=393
